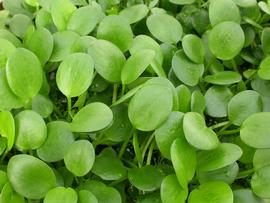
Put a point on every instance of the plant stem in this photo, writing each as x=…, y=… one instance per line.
x=218, y=125
x=229, y=132
x=115, y=90
x=123, y=90
x=150, y=152
x=69, y=108
x=245, y=173
x=145, y=147
x=124, y=145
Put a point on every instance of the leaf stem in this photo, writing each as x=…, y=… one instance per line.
x=69, y=108
x=150, y=152
x=124, y=145
x=145, y=147
x=218, y=125
x=115, y=90
x=229, y=132
x=245, y=173
x=123, y=90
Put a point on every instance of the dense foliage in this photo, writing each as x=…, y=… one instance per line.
x=149, y=101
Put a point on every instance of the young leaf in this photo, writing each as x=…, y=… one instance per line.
x=134, y=13
x=165, y=28
x=24, y=73
x=260, y=182
x=6, y=49
x=116, y=29
x=197, y=133
x=19, y=24
x=7, y=128
x=92, y=117
x=223, y=78
x=29, y=176
x=263, y=72
x=85, y=196
x=76, y=67
x=61, y=194
x=79, y=158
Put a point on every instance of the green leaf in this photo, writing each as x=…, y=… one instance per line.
x=42, y=105
x=197, y=103
x=136, y=65
x=108, y=166
x=243, y=105
x=85, y=196
x=142, y=109
x=255, y=130
x=82, y=44
x=165, y=28
x=24, y=73
x=108, y=59
x=79, y=158
x=193, y=48
x=19, y=24
x=216, y=100
x=265, y=38
x=245, y=195
x=184, y=161
x=41, y=44
x=223, y=10
x=29, y=176
x=224, y=155
x=197, y=133
x=260, y=182
x=3, y=180
x=134, y=13
x=184, y=95
x=6, y=49
x=116, y=29
x=76, y=67
x=7, y=128
x=8, y=195
x=147, y=178
x=61, y=194
x=31, y=130
x=261, y=158
x=211, y=191
x=226, y=39
x=171, y=191
x=182, y=2
x=5, y=34
x=11, y=100
x=245, y=3
x=168, y=132
x=83, y=23
x=59, y=138
x=185, y=70
x=223, y=78
x=63, y=43
x=61, y=12
x=3, y=146
x=263, y=72
x=92, y=117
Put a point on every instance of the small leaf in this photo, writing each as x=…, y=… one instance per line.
x=7, y=128
x=76, y=67
x=255, y=130
x=185, y=70
x=211, y=191
x=85, y=196
x=134, y=13
x=108, y=59
x=79, y=158
x=108, y=166
x=182, y=2
x=42, y=105
x=29, y=176
x=261, y=158
x=234, y=35
x=8, y=195
x=223, y=78
x=6, y=49
x=19, y=24
x=171, y=191
x=197, y=133
x=260, y=182
x=245, y=3
x=24, y=73
x=116, y=29
x=92, y=117
x=245, y=195
x=172, y=29
x=61, y=194
x=264, y=72
x=147, y=178
x=224, y=155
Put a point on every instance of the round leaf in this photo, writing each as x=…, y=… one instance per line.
x=226, y=39
x=134, y=13
x=245, y=3
x=8, y=195
x=60, y=194
x=31, y=131
x=193, y=48
x=197, y=133
x=165, y=28
x=85, y=196
x=6, y=49
x=59, y=138
x=92, y=117
x=136, y=65
x=261, y=158
x=255, y=130
x=108, y=59
x=24, y=73
x=7, y=128
x=264, y=72
x=76, y=67
x=150, y=107
x=211, y=192
x=168, y=132
x=42, y=105
x=245, y=195
x=79, y=158
x=223, y=78
x=147, y=178
x=224, y=155
x=260, y=182
x=182, y=2
x=185, y=70
x=29, y=176
x=19, y=24
x=243, y=105
x=117, y=30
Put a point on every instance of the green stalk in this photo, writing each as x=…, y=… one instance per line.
x=150, y=152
